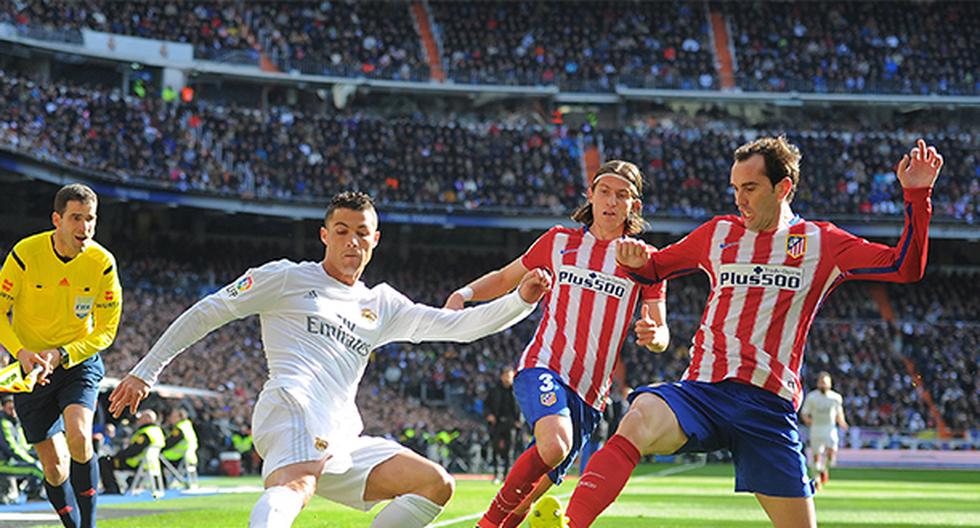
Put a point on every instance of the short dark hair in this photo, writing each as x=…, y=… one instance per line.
x=625, y=169
x=353, y=200
x=74, y=192
x=782, y=159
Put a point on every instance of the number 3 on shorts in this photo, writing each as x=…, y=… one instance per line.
x=547, y=382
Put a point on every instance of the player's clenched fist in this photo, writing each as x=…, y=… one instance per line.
x=534, y=284
x=129, y=393
x=631, y=253
x=920, y=167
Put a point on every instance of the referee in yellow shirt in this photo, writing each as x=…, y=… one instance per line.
x=60, y=302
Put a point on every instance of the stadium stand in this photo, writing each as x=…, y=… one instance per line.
x=580, y=46
x=856, y=47
x=427, y=161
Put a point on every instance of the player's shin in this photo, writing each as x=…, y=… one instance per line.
x=84, y=479
x=523, y=477
x=407, y=511
x=276, y=508
x=63, y=499
x=603, y=480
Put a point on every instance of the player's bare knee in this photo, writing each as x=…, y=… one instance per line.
x=554, y=449
x=439, y=485
x=651, y=426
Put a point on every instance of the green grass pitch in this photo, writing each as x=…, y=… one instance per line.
x=700, y=496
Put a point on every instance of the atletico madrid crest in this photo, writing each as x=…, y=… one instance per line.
x=796, y=246
x=548, y=399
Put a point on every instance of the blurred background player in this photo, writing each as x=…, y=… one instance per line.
x=770, y=269
x=148, y=434
x=64, y=294
x=565, y=371
x=319, y=326
x=503, y=422
x=20, y=471
x=823, y=412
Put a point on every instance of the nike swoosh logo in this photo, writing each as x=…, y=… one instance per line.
x=728, y=245
x=565, y=251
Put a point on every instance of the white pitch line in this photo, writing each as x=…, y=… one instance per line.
x=661, y=473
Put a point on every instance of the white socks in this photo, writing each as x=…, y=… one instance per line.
x=276, y=508
x=407, y=511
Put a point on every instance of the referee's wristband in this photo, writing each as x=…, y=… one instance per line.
x=65, y=358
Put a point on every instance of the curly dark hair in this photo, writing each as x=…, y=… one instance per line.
x=782, y=159
x=353, y=200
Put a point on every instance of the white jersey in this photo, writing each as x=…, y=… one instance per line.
x=823, y=409
x=318, y=334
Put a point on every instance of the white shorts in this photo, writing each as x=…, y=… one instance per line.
x=822, y=439
x=347, y=488
x=280, y=428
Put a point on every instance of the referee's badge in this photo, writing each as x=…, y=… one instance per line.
x=796, y=246
x=83, y=305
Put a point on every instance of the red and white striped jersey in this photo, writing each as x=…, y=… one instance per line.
x=766, y=288
x=587, y=313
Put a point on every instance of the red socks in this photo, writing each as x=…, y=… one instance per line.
x=525, y=474
x=604, y=478
x=515, y=519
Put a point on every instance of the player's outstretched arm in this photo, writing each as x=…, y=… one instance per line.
x=418, y=322
x=858, y=258
x=489, y=286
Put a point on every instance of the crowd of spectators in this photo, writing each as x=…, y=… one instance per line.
x=424, y=162
x=579, y=46
x=855, y=47
x=351, y=39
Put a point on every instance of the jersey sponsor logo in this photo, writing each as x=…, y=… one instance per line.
x=369, y=315
x=760, y=276
x=243, y=285
x=342, y=334
x=796, y=246
x=83, y=306
x=594, y=280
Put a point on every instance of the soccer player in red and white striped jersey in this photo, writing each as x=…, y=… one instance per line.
x=769, y=270
x=566, y=370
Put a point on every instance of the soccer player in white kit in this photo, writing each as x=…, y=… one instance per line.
x=823, y=412
x=319, y=326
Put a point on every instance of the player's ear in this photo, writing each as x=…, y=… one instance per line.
x=784, y=187
x=323, y=235
x=377, y=238
x=56, y=219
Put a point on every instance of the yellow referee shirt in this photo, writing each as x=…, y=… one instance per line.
x=74, y=305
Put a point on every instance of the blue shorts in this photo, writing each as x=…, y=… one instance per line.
x=540, y=392
x=40, y=411
x=758, y=427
